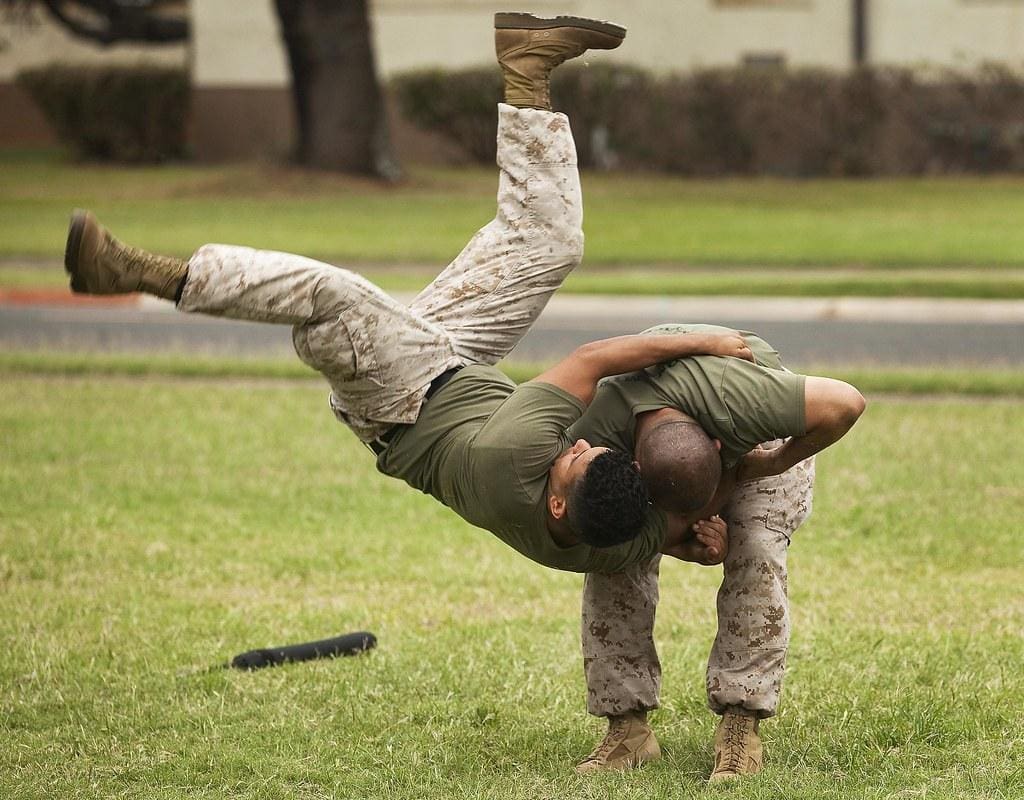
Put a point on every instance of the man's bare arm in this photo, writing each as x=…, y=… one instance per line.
x=579, y=373
x=831, y=408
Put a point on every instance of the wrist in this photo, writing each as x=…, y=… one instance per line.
x=695, y=344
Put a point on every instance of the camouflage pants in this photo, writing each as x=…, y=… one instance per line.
x=748, y=658
x=380, y=356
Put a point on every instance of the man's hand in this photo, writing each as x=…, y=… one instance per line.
x=708, y=543
x=730, y=345
x=758, y=463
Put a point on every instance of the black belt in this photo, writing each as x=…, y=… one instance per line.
x=381, y=442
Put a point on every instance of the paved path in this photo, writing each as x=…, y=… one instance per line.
x=819, y=332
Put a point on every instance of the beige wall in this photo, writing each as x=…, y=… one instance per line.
x=673, y=36
x=236, y=42
x=665, y=35
x=954, y=33
x=411, y=34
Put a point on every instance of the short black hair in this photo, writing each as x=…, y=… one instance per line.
x=681, y=466
x=607, y=504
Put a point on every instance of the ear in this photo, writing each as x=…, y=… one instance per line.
x=718, y=444
x=556, y=506
x=637, y=465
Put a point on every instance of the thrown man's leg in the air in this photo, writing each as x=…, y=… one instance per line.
x=491, y=294
x=379, y=356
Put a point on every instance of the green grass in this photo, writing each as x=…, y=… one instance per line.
x=929, y=237
x=877, y=380
x=153, y=528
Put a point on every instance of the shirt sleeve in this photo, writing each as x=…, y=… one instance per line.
x=764, y=404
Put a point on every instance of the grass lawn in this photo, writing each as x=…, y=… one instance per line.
x=152, y=528
x=931, y=237
x=905, y=381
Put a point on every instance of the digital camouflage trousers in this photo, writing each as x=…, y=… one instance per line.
x=748, y=658
x=379, y=355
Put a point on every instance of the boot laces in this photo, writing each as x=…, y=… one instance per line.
x=616, y=733
x=137, y=262
x=133, y=259
x=735, y=741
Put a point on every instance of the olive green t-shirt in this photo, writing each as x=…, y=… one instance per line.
x=739, y=403
x=483, y=447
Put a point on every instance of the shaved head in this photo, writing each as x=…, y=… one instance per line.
x=680, y=465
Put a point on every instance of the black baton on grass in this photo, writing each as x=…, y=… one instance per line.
x=348, y=645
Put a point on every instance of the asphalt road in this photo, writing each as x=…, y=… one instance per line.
x=807, y=332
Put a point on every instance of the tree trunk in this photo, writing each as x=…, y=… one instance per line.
x=338, y=102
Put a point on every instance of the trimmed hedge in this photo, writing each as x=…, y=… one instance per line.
x=130, y=114
x=750, y=121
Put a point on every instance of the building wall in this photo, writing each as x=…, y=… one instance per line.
x=665, y=35
x=410, y=34
x=237, y=43
x=241, y=76
x=951, y=33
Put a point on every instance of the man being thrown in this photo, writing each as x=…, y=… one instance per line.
x=695, y=425
x=415, y=383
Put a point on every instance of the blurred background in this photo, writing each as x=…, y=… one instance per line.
x=842, y=176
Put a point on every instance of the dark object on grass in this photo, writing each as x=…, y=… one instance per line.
x=350, y=644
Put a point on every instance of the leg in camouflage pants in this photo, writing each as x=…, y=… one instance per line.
x=380, y=356
x=747, y=661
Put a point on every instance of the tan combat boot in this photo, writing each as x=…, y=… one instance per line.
x=530, y=47
x=100, y=264
x=629, y=743
x=738, y=748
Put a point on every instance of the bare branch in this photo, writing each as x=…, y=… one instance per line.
x=108, y=21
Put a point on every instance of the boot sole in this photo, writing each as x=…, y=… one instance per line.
x=517, y=21
x=71, y=250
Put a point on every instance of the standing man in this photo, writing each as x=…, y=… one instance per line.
x=695, y=426
x=415, y=383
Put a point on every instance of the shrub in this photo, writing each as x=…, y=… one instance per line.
x=803, y=122
x=457, y=105
x=133, y=114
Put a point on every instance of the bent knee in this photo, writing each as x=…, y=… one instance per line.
x=326, y=348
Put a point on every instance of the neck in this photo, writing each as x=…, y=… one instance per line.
x=560, y=532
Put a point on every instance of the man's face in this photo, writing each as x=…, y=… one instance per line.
x=571, y=465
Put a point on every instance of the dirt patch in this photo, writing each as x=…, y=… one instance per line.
x=63, y=297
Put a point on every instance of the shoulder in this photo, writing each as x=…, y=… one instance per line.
x=530, y=409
